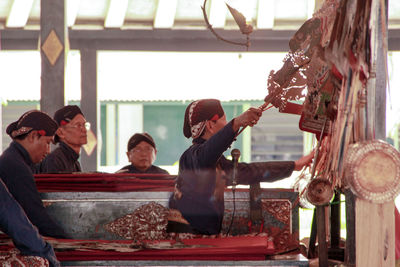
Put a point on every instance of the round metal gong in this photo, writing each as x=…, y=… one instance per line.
x=372, y=170
x=319, y=191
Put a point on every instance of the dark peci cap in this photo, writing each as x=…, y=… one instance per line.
x=65, y=114
x=198, y=112
x=139, y=137
x=32, y=120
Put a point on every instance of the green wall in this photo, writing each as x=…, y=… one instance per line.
x=165, y=124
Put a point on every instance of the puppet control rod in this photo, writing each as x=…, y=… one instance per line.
x=246, y=29
x=263, y=108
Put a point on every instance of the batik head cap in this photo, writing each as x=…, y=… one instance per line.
x=139, y=137
x=30, y=121
x=66, y=114
x=198, y=113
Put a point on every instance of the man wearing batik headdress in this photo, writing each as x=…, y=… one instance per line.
x=70, y=136
x=203, y=169
x=32, y=135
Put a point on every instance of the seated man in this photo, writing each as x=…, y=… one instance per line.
x=32, y=134
x=71, y=136
x=25, y=236
x=142, y=154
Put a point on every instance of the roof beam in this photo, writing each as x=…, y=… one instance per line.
x=217, y=16
x=72, y=11
x=265, y=14
x=19, y=13
x=165, y=40
x=165, y=14
x=116, y=14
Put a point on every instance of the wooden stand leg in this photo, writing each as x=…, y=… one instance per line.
x=313, y=237
x=335, y=251
x=350, y=250
x=321, y=230
x=335, y=221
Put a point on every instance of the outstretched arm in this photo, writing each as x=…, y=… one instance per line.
x=304, y=161
x=248, y=118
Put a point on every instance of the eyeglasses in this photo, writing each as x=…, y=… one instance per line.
x=80, y=126
x=140, y=150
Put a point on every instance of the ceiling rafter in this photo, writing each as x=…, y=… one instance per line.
x=265, y=14
x=116, y=13
x=217, y=15
x=165, y=14
x=163, y=40
x=19, y=13
x=72, y=7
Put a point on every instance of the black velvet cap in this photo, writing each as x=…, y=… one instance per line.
x=203, y=110
x=65, y=114
x=139, y=137
x=32, y=120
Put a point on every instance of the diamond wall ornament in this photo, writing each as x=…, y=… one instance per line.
x=91, y=142
x=52, y=47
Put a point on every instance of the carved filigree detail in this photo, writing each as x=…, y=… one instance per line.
x=280, y=209
x=148, y=222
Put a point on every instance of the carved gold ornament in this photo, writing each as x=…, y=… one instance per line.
x=52, y=47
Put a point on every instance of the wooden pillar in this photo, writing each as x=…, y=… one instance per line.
x=375, y=234
x=374, y=223
x=89, y=104
x=53, y=39
x=381, y=43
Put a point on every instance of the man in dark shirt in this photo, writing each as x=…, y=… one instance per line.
x=32, y=134
x=71, y=136
x=142, y=154
x=25, y=236
x=204, y=171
